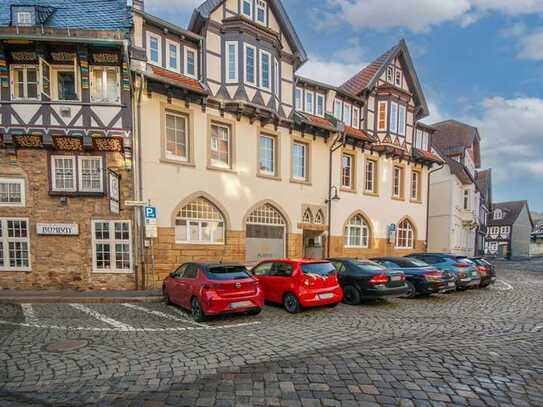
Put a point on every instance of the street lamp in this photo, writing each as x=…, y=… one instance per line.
x=335, y=194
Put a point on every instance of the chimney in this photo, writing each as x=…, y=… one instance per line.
x=138, y=4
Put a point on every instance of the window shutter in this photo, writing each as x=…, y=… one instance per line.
x=45, y=78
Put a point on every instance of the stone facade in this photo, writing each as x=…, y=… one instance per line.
x=59, y=262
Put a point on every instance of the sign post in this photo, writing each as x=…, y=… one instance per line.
x=151, y=230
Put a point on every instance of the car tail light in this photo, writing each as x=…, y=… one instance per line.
x=462, y=274
x=461, y=265
x=379, y=279
x=434, y=275
x=308, y=282
x=211, y=286
x=482, y=269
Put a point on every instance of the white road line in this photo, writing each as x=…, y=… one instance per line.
x=186, y=318
x=28, y=312
x=537, y=328
x=101, y=317
x=164, y=315
x=507, y=285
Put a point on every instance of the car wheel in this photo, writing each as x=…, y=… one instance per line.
x=197, y=311
x=351, y=295
x=254, y=311
x=334, y=305
x=411, y=290
x=291, y=303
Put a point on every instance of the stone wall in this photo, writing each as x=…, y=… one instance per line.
x=378, y=247
x=61, y=261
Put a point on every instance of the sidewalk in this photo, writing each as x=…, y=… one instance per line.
x=72, y=296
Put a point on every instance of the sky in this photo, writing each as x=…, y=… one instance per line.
x=479, y=61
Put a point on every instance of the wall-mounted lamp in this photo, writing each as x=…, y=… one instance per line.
x=334, y=196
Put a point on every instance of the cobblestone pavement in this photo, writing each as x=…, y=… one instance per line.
x=480, y=347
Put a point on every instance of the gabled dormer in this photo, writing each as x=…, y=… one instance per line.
x=395, y=101
x=252, y=52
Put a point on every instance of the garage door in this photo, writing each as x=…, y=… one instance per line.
x=265, y=235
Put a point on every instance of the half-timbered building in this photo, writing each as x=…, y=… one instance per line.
x=246, y=160
x=65, y=142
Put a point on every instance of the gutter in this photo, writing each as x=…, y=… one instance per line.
x=82, y=40
x=333, y=148
x=428, y=200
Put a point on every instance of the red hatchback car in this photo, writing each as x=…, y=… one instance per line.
x=212, y=289
x=299, y=283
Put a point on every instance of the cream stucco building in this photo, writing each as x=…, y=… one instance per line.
x=245, y=160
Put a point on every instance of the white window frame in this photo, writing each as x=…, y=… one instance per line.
x=320, y=100
x=80, y=160
x=274, y=154
x=409, y=238
x=261, y=5
x=229, y=62
x=466, y=201
x=418, y=139
x=218, y=163
x=393, y=122
x=247, y=81
x=186, y=51
x=384, y=106
x=167, y=154
x=397, y=181
x=498, y=214
x=25, y=68
x=54, y=70
x=309, y=100
x=22, y=184
x=250, y=2
x=304, y=168
x=338, y=109
x=26, y=21
x=415, y=185
x=390, y=74
x=364, y=233
x=373, y=165
x=72, y=158
x=5, y=240
x=299, y=101
x=350, y=175
x=398, y=74
x=159, y=48
x=112, y=241
x=200, y=221
x=277, y=77
x=356, y=117
x=261, y=55
x=402, y=120
x=175, y=68
x=104, y=98
x=347, y=111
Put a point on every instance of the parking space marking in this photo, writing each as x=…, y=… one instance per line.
x=537, y=328
x=28, y=312
x=101, y=317
x=506, y=286
x=163, y=314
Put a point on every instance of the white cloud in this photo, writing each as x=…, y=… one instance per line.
x=531, y=46
x=329, y=71
x=421, y=15
x=511, y=137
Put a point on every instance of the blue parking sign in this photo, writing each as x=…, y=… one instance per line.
x=150, y=212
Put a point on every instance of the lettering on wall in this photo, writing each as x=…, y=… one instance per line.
x=57, y=229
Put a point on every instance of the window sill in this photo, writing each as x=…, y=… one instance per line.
x=268, y=176
x=349, y=190
x=372, y=194
x=416, y=201
x=12, y=205
x=200, y=243
x=78, y=194
x=112, y=272
x=177, y=162
x=398, y=198
x=19, y=270
x=300, y=181
x=221, y=169
x=356, y=247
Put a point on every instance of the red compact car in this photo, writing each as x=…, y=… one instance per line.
x=212, y=289
x=299, y=283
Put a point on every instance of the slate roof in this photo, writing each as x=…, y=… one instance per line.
x=511, y=211
x=456, y=168
x=113, y=15
x=483, y=179
x=367, y=77
x=203, y=12
x=453, y=137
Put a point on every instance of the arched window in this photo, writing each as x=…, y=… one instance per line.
x=357, y=232
x=319, y=218
x=308, y=218
x=199, y=221
x=266, y=215
x=405, y=235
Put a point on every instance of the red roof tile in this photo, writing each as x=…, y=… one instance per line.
x=362, y=79
x=359, y=134
x=427, y=155
x=454, y=137
x=317, y=121
x=185, y=81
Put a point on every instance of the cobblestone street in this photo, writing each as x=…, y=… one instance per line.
x=480, y=347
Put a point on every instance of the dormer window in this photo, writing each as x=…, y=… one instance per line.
x=247, y=8
x=261, y=12
x=498, y=214
x=398, y=78
x=390, y=74
x=23, y=16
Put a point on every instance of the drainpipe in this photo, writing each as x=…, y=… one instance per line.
x=137, y=156
x=340, y=137
x=428, y=201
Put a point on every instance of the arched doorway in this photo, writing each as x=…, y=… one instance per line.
x=265, y=234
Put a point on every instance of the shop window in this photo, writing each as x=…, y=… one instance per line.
x=12, y=192
x=201, y=222
x=112, y=244
x=14, y=244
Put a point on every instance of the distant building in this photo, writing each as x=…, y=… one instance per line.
x=483, y=180
x=509, y=230
x=536, y=244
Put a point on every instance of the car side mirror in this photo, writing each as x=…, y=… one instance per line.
x=173, y=274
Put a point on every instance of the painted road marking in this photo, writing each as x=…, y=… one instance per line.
x=28, y=312
x=165, y=315
x=537, y=328
x=506, y=286
x=101, y=317
x=85, y=328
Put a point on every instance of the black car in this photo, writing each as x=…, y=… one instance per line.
x=363, y=279
x=422, y=279
x=486, y=269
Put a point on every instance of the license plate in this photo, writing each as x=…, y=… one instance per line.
x=452, y=284
x=395, y=278
x=326, y=296
x=241, y=304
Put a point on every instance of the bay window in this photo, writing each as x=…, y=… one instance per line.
x=356, y=117
x=265, y=70
x=338, y=109
x=319, y=106
x=250, y=64
x=393, y=124
x=247, y=8
x=277, y=77
x=173, y=56
x=261, y=16
x=402, y=117
x=347, y=117
x=309, y=99
x=231, y=62
x=298, y=92
x=382, y=116
x=105, y=84
x=191, y=66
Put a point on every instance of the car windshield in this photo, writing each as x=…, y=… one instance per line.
x=321, y=269
x=414, y=263
x=368, y=266
x=227, y=273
